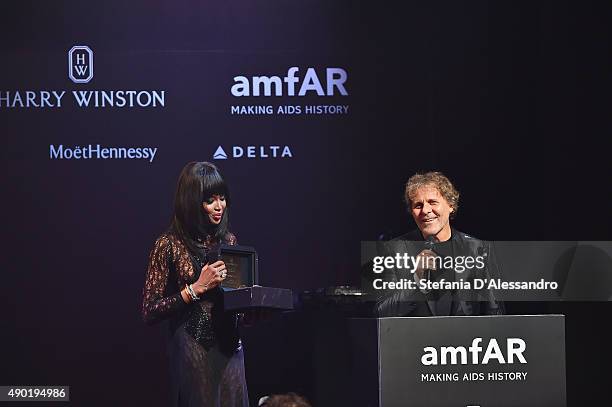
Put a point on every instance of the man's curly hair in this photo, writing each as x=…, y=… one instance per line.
x=286, y=400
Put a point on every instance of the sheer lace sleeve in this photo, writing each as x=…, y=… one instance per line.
x=157, y=304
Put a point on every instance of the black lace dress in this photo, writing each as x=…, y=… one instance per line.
x=206, y=357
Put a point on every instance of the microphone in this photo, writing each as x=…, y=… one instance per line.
x=430, y=243
x=214, y=253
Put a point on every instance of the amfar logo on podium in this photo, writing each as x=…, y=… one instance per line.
x=515, y=347
x=457, y=356
x=261, y=152
x=80, y=64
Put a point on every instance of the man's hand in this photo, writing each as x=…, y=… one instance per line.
x=426, y=261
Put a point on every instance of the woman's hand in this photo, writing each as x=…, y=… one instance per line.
x=210, y=277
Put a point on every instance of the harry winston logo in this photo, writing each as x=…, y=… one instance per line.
x=80, y=64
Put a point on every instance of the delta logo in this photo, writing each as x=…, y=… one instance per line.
x=252, y=152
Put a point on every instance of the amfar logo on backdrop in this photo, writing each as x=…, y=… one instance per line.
x=314, y=84
x=81, y=71
x=334, y=80
x=80, y=64
x=261, y=152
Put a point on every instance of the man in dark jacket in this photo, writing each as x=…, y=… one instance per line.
x=442, y=252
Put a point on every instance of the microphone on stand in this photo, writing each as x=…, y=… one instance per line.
x=214, y=253
x=430, y=243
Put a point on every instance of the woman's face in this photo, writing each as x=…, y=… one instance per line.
x=214, y=208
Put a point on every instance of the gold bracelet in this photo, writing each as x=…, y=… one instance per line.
x=192, y=293
x=188, y=301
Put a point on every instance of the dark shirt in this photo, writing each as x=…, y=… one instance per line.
x=409, y=302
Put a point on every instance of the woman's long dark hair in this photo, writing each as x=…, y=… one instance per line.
x=196, y=184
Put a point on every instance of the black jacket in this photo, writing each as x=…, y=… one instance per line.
x=407, y=302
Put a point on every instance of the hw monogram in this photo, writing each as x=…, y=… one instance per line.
x=80, y=64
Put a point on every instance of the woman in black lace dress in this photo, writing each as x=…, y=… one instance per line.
x=182, y=286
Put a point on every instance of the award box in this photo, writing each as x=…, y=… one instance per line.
x=240, y=288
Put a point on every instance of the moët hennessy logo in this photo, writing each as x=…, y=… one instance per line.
x=80, y=64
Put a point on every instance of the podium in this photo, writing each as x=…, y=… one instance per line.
x=457, y=361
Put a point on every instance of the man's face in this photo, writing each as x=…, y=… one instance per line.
x=431, y=212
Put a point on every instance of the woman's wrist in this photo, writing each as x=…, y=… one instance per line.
x=199, y=288
x=185, y=296
x=191, y=292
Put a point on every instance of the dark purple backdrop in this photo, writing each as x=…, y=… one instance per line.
x=509, y=99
